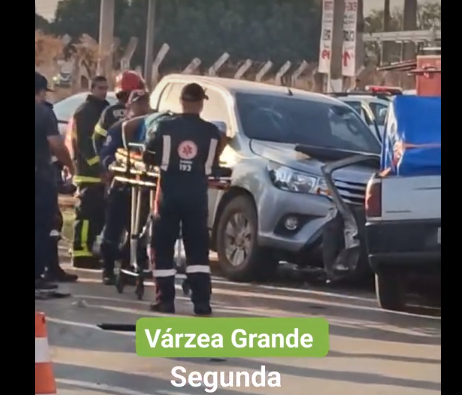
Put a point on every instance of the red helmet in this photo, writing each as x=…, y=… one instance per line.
x=129, y=81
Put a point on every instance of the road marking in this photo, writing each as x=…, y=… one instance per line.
x=114, y=389
x=250, y=293
x=221, y=281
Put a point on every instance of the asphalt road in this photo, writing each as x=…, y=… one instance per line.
x=372, y=352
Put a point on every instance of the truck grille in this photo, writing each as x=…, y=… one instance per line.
x=352, y=192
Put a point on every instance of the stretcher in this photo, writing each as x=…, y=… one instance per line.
x=130, y=169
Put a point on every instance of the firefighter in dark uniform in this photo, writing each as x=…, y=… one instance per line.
x=126, y=82
x=54, y=272
x=186, y=149
x=47, y=142
x=89, y=219
x=118, y=201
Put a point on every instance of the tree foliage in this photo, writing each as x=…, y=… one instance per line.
x=277, y=30
x=41, y=23
x=47, y=48
x=77, y=17
x=429, y=15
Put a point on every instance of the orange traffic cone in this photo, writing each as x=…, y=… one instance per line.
x=45, y=383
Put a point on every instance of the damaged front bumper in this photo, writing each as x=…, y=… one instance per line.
x=344, y=249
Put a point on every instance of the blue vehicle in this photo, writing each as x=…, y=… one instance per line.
x=403, y=202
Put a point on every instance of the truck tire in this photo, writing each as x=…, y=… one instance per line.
x=258, y=263
x=389, y=288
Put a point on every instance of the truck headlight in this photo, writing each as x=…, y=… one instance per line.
x=293, y=181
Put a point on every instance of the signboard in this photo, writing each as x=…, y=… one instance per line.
x=350, y=22
x=327, y=28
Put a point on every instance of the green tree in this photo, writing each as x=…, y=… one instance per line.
x=428, y=15
x=76, y=17
x=41, y=23
x=277, y=30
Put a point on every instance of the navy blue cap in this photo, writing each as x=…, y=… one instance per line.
x=193, y=93
x=41, y=83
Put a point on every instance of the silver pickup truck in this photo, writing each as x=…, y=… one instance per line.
x=277, y=206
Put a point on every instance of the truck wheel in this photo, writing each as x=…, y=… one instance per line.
x=389, y=288
x=239, y=256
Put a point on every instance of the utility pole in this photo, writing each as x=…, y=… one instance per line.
x=385, y=56
x=106, y=37
x=410, y=23
x=335, y=83
x=360, y=50
x=150, y=40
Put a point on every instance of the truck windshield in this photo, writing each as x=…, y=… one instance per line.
x=380, y=111
x=302, y=121
x=356, y=105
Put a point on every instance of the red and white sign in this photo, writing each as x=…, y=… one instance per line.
x=187, y=150
x=325, y=51
x=350, y=22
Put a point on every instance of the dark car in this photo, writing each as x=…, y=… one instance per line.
x=62, y=80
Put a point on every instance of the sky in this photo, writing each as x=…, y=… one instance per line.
x=46, y=8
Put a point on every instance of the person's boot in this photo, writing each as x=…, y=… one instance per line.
x=54, y=272
x=202, y=309
x=109, y=277
x=60, y=276
x=163, y=307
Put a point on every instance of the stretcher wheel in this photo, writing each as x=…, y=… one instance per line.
x=139, y=290
x=120, y=282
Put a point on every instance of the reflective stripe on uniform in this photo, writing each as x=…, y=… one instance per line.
x=205, y=269
x=84, y=235
x=89, y=180
x=82, y=254
x=164, y=273
x=72, y=127
x=166, y=152
x=93, y=161
x=99, y=130
x=211, y=156
x=84, y=251
x=55, y=233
